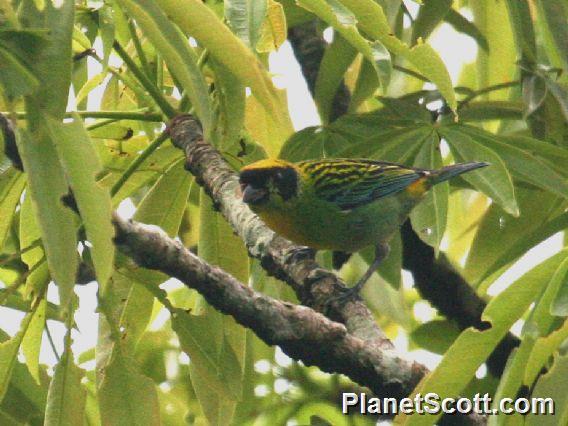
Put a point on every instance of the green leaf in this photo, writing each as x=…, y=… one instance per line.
x=473, y=347
x=374, y=135
x=430, y=14
x=11, y=189
x=200, y=340
x=495, y=180
x=537, y=324
x=53, y=65
x=366, y=85
x=429, y=218
x=164, y=204
x=491, y=110
x=559, y=306
x=497, y=65
x=521, y=20
x=435, y=336
x=66, y=397
x=9, y=353
x=178, y=55
x=543, y=349
x=47, y=185
x=335, y=62
x=81, y=165
x=373, y=22
x=560, y=93
x=232, y=102
x=462, y=25
x=245, y=18
x=523, y=164
x=552, y=385
x=552, y=15
x=343, y=21
x=31, y=342
x=127, y=397
x=274, y=30
x=219, y=40
x=16, y=78
x=502, y=239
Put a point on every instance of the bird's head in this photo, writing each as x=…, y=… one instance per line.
x=269, y=182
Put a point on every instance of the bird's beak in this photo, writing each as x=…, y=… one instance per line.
x=253, y=195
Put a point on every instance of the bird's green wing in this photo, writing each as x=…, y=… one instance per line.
x=353, y=183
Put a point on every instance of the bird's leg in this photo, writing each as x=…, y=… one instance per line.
x=381, y=252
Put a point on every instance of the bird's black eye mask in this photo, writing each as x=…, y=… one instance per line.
x=284, y=179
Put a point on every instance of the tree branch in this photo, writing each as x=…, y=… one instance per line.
x=302, y=333
x=313, y=285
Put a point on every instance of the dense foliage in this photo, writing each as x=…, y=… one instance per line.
x=142, y=62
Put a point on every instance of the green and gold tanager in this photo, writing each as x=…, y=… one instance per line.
x=342, y=205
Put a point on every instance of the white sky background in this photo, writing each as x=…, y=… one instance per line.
x=454, y=48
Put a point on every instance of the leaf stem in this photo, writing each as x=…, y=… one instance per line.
x=138, y=161
x=138, y=47
x=488, y=89
x=114, y=115
x=153, y=91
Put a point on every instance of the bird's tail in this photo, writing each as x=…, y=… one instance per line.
x=449, y=172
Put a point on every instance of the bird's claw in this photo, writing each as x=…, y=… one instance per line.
x=347, y=295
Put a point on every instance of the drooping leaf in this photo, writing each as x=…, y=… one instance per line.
x=11, y=188
x=345, y=22
x=81, y=164
x=219, y=40
x=178, y=55
x=47, y=185
x=463, y=25
x=372, y=21
x=31, y=343
x=274, y=30
x=66, y=396
x=245, y=18
x=336, y=59
x=125, y=395
x=430, y=14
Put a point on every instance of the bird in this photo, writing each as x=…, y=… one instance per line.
x=339, y=204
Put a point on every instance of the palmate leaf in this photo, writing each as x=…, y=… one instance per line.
x=429, y=218
x=494, y=181
x=522, y=164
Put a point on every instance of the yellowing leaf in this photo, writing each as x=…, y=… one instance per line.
x=274, y=30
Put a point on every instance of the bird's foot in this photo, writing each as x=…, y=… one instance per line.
x=347, y=295
x=300, y=253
